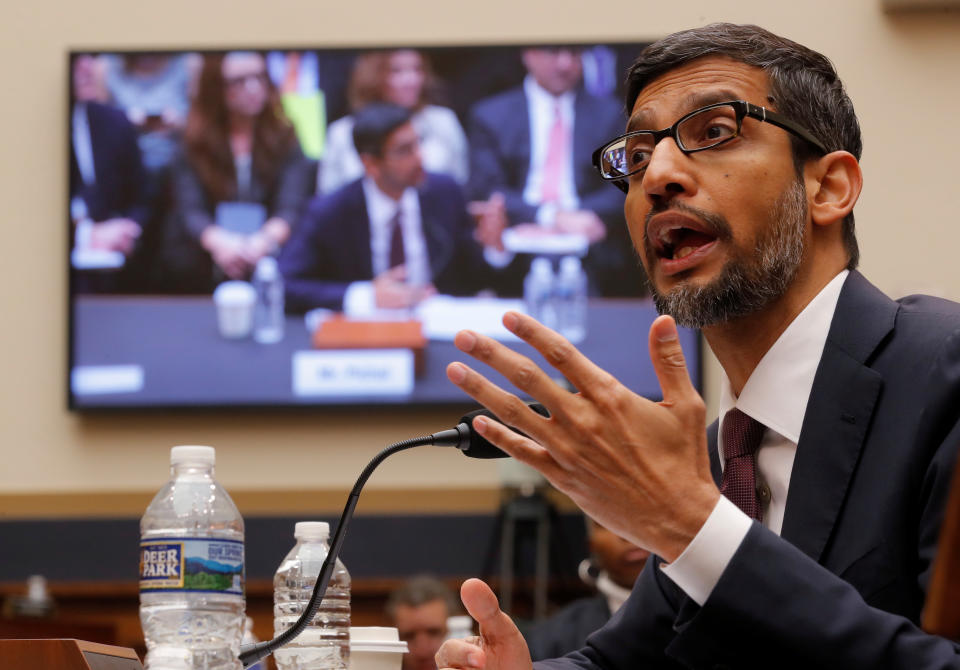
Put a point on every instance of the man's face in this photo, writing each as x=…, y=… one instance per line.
x=423, y=628
x=621, y=560
x=399, y=166
x=556, y=70
x=721, y=232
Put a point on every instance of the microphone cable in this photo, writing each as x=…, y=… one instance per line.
x=454, y=437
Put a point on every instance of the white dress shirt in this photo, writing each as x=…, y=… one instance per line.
x=381, y=208
x=543, y=107
x=776, y=395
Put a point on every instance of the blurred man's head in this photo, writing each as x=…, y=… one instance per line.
x=419, y=609
x=557, y=70
x=621, y=560
x=389, y=147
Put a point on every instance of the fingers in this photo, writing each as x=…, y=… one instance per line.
x=559, y=353
x=496, y=628
x=460, y=654
x=669, y=362
x=520, y=370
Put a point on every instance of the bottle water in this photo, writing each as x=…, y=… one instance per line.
x=459, y=627
x=538, y=292
x=325, y=642
x=191, y=569
x=268, y=316
x=571, y=297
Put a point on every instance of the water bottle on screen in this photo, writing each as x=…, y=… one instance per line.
x=538, y=287
x=571, y=297
x=268, y=316
x=191, y=569
x=325, y=643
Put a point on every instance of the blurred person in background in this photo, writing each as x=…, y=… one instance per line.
x=238, y=147
x=402, y=77
x=388, y=239
x=532, y=144
x=612, y=568
x=107, y=208
x=419, y=609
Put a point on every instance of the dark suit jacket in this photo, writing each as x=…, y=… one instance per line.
x=331, y=247
x=568, y=628
x=119, y=190
x=844, y=585
x=500, y=160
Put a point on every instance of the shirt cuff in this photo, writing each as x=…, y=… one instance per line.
x=698, y=569
x=358, y=301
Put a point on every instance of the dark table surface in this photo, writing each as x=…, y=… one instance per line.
x=186, y=363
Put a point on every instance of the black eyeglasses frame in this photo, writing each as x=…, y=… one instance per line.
x=742, y=109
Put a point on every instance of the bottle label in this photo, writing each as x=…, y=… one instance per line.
x=191, y=564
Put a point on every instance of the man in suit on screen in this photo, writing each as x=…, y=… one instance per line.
x=799, y=530
x=389, y=239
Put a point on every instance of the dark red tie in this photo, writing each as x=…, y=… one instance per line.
x=397, y=255
x=741, y=437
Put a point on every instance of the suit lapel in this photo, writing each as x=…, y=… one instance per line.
x=842, y=400
x=361, y=259
x=440, y=245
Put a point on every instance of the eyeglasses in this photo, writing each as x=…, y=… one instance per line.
x=242, y=79
x=701, y=129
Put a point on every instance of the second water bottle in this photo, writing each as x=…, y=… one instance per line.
x=325, y=643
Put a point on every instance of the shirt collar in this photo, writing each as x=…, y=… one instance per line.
x=380, y=206
x=777, y=391
x=541, y=97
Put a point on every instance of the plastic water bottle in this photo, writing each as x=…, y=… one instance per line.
x=325, y=643
x=571, y=297
x=459, y=627
x=191, y=569
x=268, y=316
x=538, y=292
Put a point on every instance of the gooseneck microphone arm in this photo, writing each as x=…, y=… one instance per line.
x=459, y=437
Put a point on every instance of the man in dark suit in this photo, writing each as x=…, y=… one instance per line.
x=389, y=239
x=532, y=145
x=800, y=532
x=107, y=186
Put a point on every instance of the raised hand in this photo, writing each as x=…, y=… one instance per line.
x=638, y=467
x=500, y=646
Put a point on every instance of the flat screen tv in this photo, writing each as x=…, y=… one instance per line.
x=207, y=187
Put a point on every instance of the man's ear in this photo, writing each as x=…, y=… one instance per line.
x=371, y=165
x=834, y=182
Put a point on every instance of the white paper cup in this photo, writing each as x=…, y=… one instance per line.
x=234, y=301
x=376, y=648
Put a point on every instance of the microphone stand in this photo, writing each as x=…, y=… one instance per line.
x=455, y=437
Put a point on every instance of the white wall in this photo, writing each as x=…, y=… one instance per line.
x=901, y=71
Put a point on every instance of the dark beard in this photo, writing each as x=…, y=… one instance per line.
x=751, y=280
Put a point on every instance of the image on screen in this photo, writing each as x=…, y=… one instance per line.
x=309, y=227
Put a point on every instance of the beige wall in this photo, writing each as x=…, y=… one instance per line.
x=901, y=70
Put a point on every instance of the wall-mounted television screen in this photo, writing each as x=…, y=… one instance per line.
x=304, y=227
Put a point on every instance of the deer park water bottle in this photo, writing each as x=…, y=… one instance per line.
x=191, y=569
x=325, y=643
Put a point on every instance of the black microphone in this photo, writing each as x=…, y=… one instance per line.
x=462, y=437
x=472, y=444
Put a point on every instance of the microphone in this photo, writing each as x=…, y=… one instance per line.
x=462, y=437
x=472, y=444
